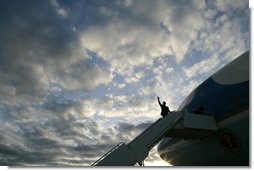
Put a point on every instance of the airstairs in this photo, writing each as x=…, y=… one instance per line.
x=180, y=124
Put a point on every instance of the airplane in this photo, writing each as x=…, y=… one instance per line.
x=224, y=95
x=210, y=128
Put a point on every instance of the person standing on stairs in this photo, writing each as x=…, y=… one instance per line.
x=164, y=109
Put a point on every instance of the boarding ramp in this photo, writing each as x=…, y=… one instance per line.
x=138, y=149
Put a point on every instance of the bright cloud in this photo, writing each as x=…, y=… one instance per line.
x=202, y=67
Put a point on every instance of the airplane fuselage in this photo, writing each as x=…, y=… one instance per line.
x=224, y=95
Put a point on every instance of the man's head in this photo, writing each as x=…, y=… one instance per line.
x=164, y=103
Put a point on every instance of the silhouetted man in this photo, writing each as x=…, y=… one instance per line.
x=164, y=109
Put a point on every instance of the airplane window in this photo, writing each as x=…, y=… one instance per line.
x=199, y=110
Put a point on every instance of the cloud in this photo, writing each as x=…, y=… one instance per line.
x=60, y=10
x=118, y=85
x=133, y=77
x=128, y=41
x=32, y=41
x=62, y=139
x=183, y=22
x=226, y=31
x=227, y=4
x=83, y=76
x=47, y=139
x=126, y=132
x=203, y=67
x=37, y=46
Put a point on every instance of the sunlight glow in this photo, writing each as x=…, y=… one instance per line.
x=157, y=163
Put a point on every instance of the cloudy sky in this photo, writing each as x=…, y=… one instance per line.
x=78, y=77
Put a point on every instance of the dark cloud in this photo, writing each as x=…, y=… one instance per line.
x=62, y=137
x=39, y=46
x=126, y=127
x=59, y=103
x=33, y=40
x=126, y=131
x=37, y=43
x=13, y=156
x=49, y=143
x=84, y=74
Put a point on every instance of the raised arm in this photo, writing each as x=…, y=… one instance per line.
x=159, y=101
